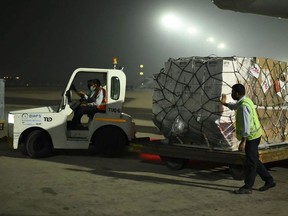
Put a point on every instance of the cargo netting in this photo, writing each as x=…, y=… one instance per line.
x=186, y=100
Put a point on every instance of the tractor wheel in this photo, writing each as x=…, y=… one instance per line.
x=174, y=163
x=22, y=147
x=38, y=144
x=110, y=141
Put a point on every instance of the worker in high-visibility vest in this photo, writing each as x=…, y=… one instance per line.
x=248, y=132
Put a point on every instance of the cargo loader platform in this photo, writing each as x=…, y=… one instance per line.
x=176, y=156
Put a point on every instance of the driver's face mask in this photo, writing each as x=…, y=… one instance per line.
x=92, y=88
x=89, y=85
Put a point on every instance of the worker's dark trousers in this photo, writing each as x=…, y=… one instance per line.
x=253, y=165
x=80, y=111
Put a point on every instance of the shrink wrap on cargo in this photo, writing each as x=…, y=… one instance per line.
x=186, y=100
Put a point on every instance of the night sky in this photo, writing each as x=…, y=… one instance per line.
x=45, y=40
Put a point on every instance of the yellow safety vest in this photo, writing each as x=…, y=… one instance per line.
x=255, y=126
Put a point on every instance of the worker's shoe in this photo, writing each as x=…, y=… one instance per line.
x=267, y=186
x=243, y=190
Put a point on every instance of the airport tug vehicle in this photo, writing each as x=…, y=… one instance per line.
x=38, y=131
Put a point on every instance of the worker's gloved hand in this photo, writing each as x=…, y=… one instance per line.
x=241, y=146
x=223, y=99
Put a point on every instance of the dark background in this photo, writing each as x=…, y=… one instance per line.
x=43, y=41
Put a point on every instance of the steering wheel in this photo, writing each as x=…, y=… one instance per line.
x=72, y=103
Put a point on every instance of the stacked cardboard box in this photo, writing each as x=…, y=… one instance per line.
x=186, y=105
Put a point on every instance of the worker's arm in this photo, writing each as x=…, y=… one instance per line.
x=98, y=99
x=79, y=93
x=246, y=126
x=232, y=106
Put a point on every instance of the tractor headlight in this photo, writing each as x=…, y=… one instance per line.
x=10, y=118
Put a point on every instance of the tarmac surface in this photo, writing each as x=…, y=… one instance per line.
x=80, y=183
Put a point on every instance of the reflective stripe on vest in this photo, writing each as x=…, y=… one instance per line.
x=255, y=126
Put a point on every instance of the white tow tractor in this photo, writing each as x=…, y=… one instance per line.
x=37, y=131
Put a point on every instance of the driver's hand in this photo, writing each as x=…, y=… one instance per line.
x=83, y=104
x=81, y=93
